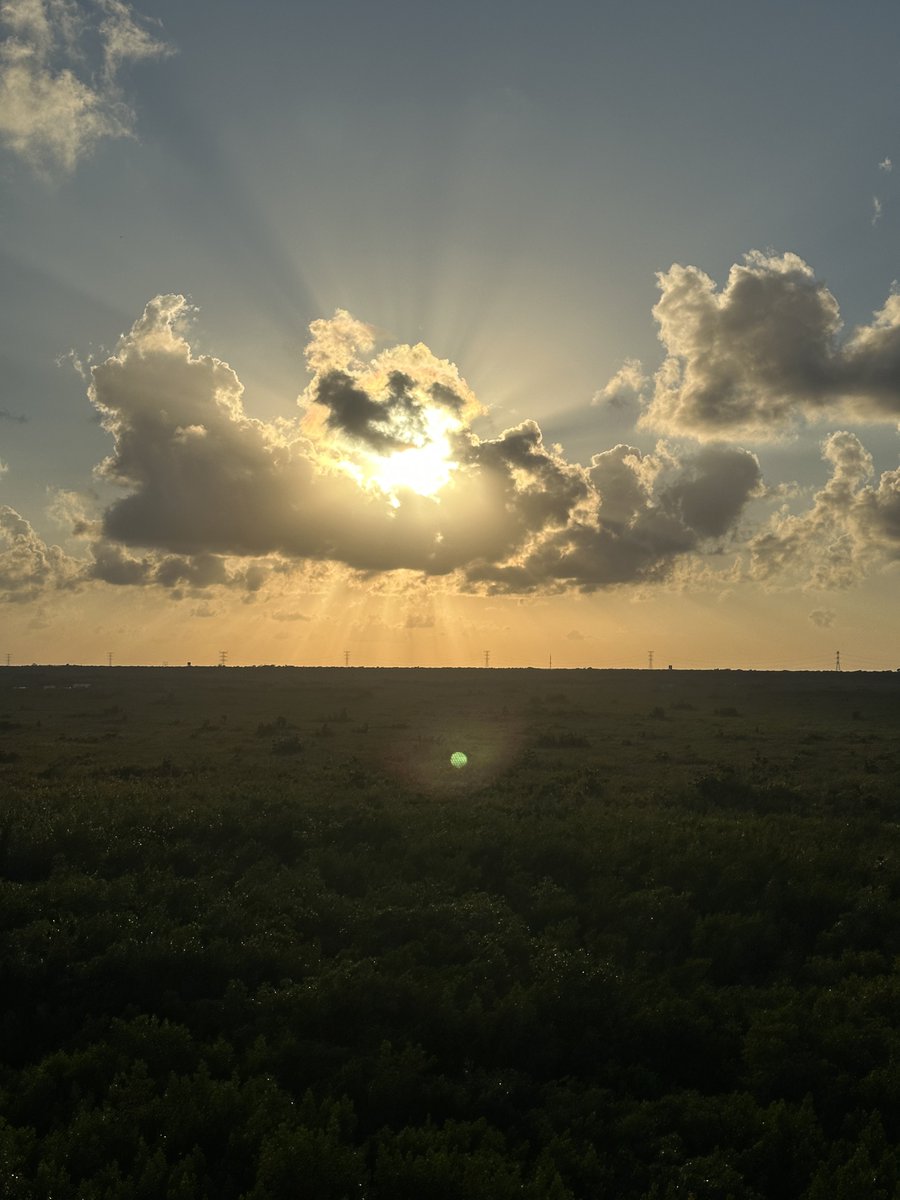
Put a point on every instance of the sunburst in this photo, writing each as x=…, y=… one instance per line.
x=423, y=462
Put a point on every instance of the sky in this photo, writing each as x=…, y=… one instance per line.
x=398, y=334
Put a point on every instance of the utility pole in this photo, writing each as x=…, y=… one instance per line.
x=487, y=658
x=551, y=662
x=109, y=659
x=837, y=660
x=8, y=659
x=223, y=658
x=650, y=659
x=346, y=658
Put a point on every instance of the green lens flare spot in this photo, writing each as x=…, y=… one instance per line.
x=458, y=759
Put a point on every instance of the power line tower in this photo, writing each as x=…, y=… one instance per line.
x=346, y=658
x=223, y=658
x=837, y=660
x=487, y=658
x=650, y=659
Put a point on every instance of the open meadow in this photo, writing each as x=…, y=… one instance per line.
x=260, y=939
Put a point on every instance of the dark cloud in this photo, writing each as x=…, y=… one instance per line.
x=204, y=478
x=648, y=511
x=201, y=571
x=762, y=354
x=353, y=411
x=540, y=489
x=112, y=564
x=212, y=498
x=394, y=419
x=204, y=481
x=206, y=497
x=713, y=489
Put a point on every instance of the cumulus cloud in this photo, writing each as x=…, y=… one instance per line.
x=28, y=566
x=763, y=354
x=645, y=512
x=59, y=76
x=204, y=477
x=381, y=471
x=852, y=524
x=181, y=575
x=381, y=476
x=625, y=391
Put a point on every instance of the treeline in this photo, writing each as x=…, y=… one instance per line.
x=339, y=988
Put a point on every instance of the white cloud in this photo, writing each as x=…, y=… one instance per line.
x=851, y=527
x=28, y=566
x=886, y=165
x=625, y=389
x=876, y=210
x=57, y=99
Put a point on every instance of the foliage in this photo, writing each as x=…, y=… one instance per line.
x=572, y=969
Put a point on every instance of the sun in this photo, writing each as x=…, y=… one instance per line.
x=424, y=464
x=423, y=467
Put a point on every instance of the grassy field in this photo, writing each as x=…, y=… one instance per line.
x=638, y=730
x=259, y=938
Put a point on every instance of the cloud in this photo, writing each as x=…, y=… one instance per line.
x=202, y=477
x=886, y=165
x=124, y=38
x=824, y=618
x=742, y=361
x=625, y=391
x=18, y=418
x=59, y=68
x=198, y=495
x=28, y=566
x=852, y=525
x=876, y=210
x=712, y=489
x=762, y=355
x=181, y=575
x=647, y=511
x=203, y=482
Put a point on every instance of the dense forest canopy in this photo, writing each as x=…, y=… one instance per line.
x=259, y=938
